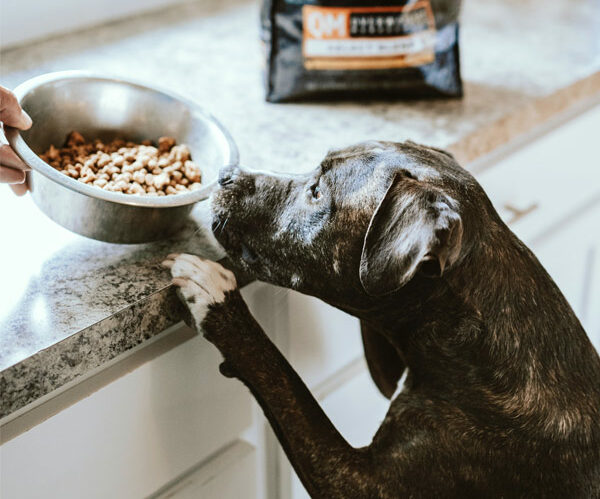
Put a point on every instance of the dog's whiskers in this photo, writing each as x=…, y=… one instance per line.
x=224, y=224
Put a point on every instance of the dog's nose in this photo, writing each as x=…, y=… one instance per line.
x=228, y=174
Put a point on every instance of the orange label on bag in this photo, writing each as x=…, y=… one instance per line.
x=368, y=37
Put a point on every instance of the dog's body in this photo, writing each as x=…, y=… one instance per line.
x=502, y=396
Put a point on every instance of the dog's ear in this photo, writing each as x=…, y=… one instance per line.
x=414, y=227
x=384, y=363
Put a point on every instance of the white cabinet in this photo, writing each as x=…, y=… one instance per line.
x=231, y=474
x=133, y=436
x=572, y=257
x=356, y=409
x=550, y=182
x=168, y=428
x=322, y=339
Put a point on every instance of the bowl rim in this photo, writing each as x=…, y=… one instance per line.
x=32, y=160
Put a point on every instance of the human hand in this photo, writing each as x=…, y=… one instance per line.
x=12, y=169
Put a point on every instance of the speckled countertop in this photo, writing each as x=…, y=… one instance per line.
x=70, y=304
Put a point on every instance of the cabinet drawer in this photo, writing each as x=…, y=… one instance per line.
x=543, y=183
x=132, y=436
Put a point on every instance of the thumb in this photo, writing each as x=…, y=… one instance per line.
x=17, y=118
x=11, y=113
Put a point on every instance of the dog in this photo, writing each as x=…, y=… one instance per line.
x=501, y=396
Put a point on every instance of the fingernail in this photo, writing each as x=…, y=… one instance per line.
x=25, y=120
x=20, y=181
x=19, y=189
x=12, y=176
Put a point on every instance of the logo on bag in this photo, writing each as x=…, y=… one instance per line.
x=326, y=24
x=368, y=37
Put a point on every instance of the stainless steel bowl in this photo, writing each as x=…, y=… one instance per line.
x=103, y=107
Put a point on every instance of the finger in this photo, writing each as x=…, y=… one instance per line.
x=19, y=189
x=11, y=175
x=168, y=263
x=8, y=157
x=10, y=111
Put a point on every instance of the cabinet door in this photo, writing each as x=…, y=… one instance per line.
x=571, y=256
x=322, y=339
x=231, y=474
x=132, y=436
x=356, y=409
x=548, y=181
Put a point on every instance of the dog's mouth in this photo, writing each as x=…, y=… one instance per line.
x=248, y=254
x=235, y=246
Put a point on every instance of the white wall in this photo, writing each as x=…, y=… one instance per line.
x=22, y=21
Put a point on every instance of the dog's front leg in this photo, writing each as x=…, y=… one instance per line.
x=327, y=465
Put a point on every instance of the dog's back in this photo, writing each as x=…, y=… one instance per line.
x=507, y=402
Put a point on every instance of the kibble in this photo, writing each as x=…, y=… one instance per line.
x=120, y=166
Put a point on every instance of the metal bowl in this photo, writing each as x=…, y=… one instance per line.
x=104, y=107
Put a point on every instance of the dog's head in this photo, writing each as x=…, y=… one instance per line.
x=366, y=221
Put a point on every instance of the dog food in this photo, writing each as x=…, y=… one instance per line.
x=126, y=167
x=392, y=48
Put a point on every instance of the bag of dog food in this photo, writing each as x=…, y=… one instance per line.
x=353, y=48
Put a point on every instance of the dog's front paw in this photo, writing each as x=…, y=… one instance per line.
x=201, y=282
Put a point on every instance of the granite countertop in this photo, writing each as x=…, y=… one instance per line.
x=69, y=304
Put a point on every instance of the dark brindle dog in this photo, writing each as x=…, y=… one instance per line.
x=502, y=397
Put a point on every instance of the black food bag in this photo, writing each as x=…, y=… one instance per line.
x=355, y=48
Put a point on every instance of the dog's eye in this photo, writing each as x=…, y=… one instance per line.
x=315, y=191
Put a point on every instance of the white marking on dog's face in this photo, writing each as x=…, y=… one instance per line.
x=200, y=282
x=336, y=266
